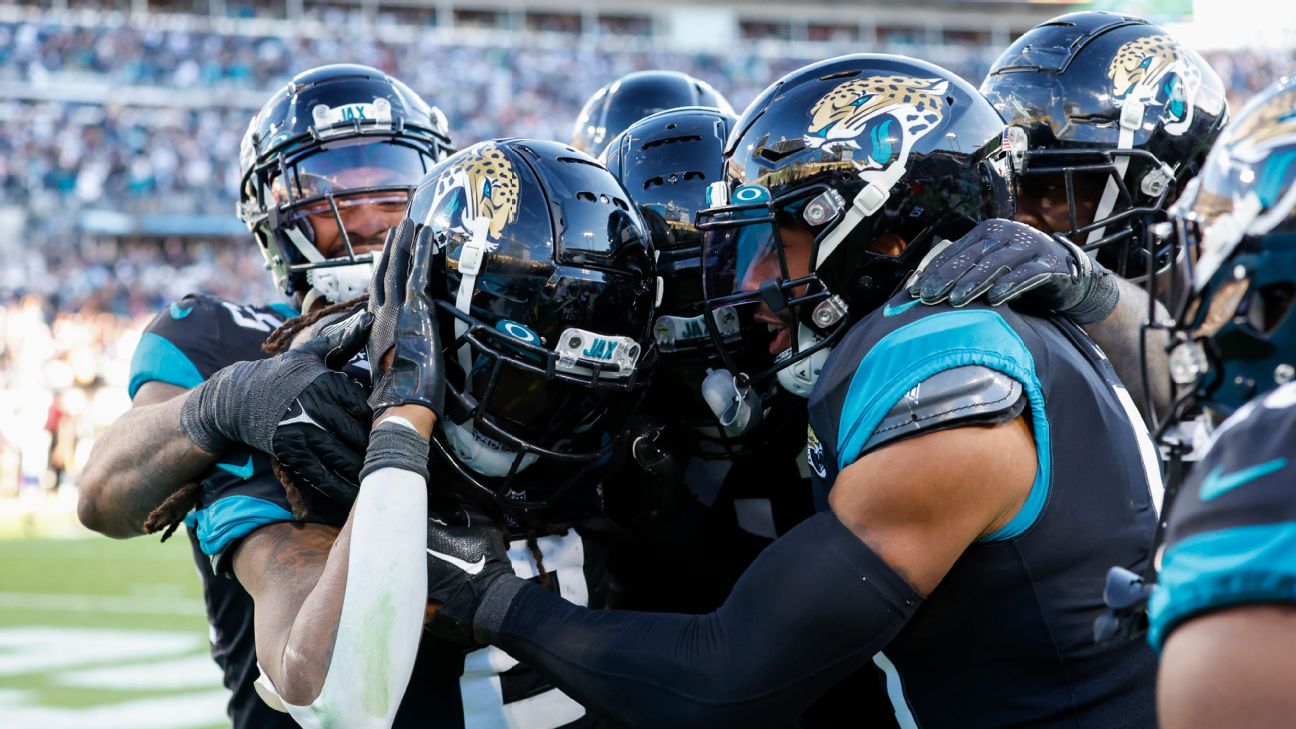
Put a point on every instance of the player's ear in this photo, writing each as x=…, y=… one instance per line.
x=888, y=244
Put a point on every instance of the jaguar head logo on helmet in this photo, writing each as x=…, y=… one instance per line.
x=859, y=114
x=484, y=184
x=842, y=175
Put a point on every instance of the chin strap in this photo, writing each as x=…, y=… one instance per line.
x=472, y=258
x=1131, y=119
x=866, y=203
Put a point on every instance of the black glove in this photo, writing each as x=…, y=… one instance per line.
x=1005, y=260
x=469, y=574
x=405, y=324
x=295, y=406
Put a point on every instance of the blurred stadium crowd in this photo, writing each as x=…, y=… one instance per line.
x=103, y=115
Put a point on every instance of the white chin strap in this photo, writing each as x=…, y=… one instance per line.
x=866, y=203
x=471, y=261
x=1131, y=119
x=482, y=454
x=799, y=377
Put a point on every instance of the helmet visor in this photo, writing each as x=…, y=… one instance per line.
x=384, y=170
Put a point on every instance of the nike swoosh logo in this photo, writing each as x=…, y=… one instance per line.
x=178, y=313
x=1217, y=483
x=471, y=568
x=244, y=472
x=890, y=310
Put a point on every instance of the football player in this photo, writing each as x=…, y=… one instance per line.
x=723, y=484
x=1109, y=116
x=328, y=165
x=1222, y=615
x=531, y=260
x=965, y=521
x=634, y=96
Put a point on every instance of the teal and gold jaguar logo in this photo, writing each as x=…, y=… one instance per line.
x=485, y=185
x=882, y=116
x=815, y=453
x=1269, y=125
x=1155, y=69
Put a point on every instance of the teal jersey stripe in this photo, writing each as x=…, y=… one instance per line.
x=157, y=359
x=231, y=518
x=284, y=310
x=942, y=341
x=1213, y=570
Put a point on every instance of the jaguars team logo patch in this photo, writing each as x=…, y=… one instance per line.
x=815, y=453
x=1155, y=69
x=879, y=116
x=478, y=190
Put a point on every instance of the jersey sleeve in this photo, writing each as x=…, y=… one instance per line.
x=1232, y=533
x=196, y=336
x=942, y=369
x=180, y=346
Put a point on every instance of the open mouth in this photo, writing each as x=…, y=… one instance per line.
x=780, y=333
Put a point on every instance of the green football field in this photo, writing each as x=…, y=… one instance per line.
x=102, y=634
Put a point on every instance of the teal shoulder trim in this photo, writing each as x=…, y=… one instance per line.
x=942, y=341
x=157, y=359
x=284, y=310
x=1214, y=570
x=232, y=518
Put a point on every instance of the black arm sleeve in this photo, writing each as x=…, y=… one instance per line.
x=813, y=607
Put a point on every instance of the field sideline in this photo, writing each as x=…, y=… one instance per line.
x=98, y=633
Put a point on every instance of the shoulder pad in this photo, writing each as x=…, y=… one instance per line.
x=958, y=396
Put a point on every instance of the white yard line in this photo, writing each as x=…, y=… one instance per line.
x=161, y=605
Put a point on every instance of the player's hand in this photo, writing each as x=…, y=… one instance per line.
x=295, y=406
x=405, y=326
x=1004, y=260
x=468, y=565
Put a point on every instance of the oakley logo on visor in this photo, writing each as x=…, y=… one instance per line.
x=520, y=332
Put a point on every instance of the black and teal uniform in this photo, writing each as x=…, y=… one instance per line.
x=451, y=686
x=183, y=346
x=1006, y=638
x=1232, y=533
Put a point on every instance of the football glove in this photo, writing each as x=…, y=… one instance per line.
x=295, y=406
x=405, y=324
x=468, y=572
x=1006, y=260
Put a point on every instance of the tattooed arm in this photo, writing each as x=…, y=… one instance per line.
x=339, y=613
x=1119, y=335
x=138, y=462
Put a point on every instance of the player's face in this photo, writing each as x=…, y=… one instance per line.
x=366, y=222
x=797, y=242
x=1043, y=205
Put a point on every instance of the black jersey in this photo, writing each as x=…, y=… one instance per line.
x=183, y=346
x=1006, y=639
x=1232, y=533
x=450, y=686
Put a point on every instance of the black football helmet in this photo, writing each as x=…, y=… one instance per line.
x=334, y=137
x=851, y=152
x=1236, y=336
x=1118, y=101
x=546, y=304
x=634, y=96
x=666, y=163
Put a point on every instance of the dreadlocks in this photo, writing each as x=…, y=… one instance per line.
x=171, y=512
